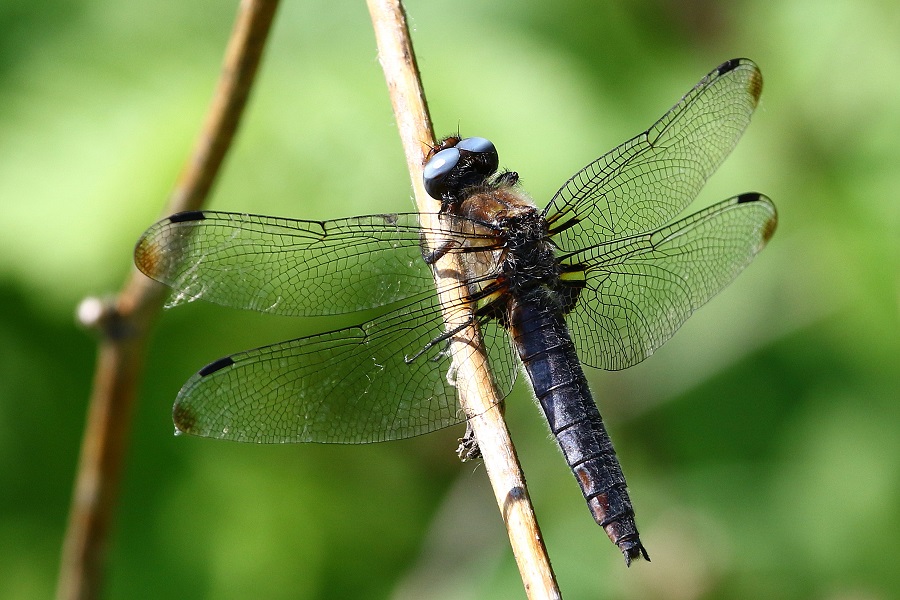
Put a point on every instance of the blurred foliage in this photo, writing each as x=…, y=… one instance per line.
x=761, y=443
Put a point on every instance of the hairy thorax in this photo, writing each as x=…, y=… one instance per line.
x=525, y=265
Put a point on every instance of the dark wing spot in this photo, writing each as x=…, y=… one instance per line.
x=728, y=65
x=216, y=366
x=754, y=83
x=754, y=86
x=147, y=257
x=769, y=229
x=184, y=418
x=190, y=215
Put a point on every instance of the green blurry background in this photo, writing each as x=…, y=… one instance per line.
x=761, y=444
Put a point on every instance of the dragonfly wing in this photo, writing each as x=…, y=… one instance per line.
x=648, y=180
x=368, y=383
x=290, y=267
x=638, y=291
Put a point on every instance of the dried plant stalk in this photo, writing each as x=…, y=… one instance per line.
x=123, y=324
x=477, y=395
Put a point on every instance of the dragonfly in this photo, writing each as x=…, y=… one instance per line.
x=603, y=275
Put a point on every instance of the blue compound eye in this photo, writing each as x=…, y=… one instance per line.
x=477, y=144
x=436, y=170
x=484, y=158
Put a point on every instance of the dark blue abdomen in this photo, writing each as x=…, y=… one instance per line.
x=543, y=343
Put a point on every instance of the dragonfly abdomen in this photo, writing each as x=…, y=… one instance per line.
x=545, y=348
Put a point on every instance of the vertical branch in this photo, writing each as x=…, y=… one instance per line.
x=477, y=395
x=124, y=323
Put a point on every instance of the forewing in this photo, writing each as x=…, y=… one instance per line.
x=648, y=180
x=639, y=290
x=291, y=267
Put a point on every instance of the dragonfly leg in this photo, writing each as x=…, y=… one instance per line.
x=468, y=446
x=432, y=256
x=507, y=178
x=441, y=339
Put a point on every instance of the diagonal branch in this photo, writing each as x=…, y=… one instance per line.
x=124, y=323
x=477, y=396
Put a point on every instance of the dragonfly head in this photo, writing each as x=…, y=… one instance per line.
x=457, y=164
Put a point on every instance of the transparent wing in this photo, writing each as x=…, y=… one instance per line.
x=352, y=385
x=292, y=267
x=648, y=180
x=639, y=290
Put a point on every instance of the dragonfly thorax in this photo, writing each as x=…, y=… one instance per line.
x=530, y=261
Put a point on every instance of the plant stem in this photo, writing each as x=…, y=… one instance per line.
x=124, y=323
x=477, y=395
